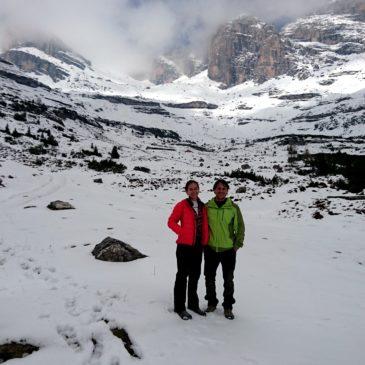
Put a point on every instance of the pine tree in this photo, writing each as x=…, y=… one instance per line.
x=51, y=140
x=7, y=130
x=15, y=133
x=114, y=154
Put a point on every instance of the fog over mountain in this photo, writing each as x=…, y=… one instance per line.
x=125, y=35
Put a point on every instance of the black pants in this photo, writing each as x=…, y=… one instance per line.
x=189, y=259
x=212, y=260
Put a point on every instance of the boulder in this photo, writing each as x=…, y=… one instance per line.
x=241, y=190
x=16, y=350
x=317, y=215
x=111, y=249
x=59, y=205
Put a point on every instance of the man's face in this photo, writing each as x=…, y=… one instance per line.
x=220, y=192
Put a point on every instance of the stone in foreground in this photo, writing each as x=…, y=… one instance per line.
x=16, y=350
x=111, y=249
x=59, y=205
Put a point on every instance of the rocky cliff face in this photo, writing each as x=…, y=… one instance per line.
x=31, y=56
x=324, y=40
x=188, y=63
x=31, y=63
x=327, y=29
x=354, y=7
x=174, y=65
x=247, y=49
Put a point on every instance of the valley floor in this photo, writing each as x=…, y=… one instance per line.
x=299, y=281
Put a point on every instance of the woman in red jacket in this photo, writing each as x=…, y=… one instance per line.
x=190, y=222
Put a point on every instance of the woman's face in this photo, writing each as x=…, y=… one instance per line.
x=193, y=191
x=220, y=192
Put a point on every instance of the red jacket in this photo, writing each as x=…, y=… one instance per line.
x=182, y=222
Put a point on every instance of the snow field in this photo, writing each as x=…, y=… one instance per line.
x=299, y=301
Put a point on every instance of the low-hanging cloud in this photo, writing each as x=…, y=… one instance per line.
x=125, y=35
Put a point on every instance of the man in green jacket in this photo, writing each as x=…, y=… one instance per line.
x=226, y=236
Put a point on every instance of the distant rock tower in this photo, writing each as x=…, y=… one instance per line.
x=247, y=49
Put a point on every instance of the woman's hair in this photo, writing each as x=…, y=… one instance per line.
x=189, y=183
x=221, y=181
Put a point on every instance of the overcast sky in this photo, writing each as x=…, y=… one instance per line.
x=124, y=35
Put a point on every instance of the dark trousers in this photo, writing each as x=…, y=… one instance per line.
x=212, y=259
x=189, y=259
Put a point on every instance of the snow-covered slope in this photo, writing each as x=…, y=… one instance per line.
x=299, y=282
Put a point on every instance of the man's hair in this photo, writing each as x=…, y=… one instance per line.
x=189, y=183
x=221, y=181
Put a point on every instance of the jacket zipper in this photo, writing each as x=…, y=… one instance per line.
x=194, y=238
x=216, y=243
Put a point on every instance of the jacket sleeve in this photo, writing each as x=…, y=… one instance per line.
x=240, y=231
x=205, y=227
x=175, y=218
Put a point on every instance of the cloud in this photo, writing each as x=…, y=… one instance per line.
x=125, y=35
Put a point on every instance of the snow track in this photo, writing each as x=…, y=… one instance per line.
x=41, y=190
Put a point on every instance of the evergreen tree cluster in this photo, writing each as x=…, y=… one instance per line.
x=250, y=175
x=351, y=167
x=107, y=165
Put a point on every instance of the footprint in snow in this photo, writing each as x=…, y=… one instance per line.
x=70, y=306
x=97, y=347
x=68, y=333
x=97, y=308
x=25, y=265
x=37, y=270
x=115, y=361
x=34, y=271
x=44, y=316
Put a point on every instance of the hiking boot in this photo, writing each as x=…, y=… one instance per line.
x=197, y=311
x=228, y=314
x=184, y=315
x=211, y=308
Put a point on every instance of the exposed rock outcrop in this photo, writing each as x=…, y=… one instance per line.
x=247, y=49
x=324, y=39
x=193, y=105
x=354, y=7
x=164, y=71
x=178, y=62
x=31, y=63
x=301, y=97
x=190, y=64
x=32, y=56
x=23, y=80
x=327, y=29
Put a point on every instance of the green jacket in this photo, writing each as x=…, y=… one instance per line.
x=226, y=226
